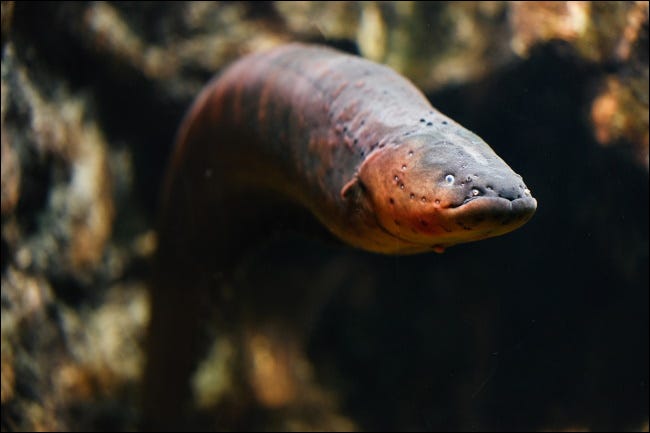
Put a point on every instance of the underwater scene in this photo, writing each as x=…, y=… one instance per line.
x=308, y=216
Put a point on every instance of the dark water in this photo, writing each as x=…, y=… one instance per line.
x=543, y=327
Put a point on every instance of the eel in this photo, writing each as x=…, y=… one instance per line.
x=308, y=138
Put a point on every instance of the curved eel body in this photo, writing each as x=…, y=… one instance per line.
x=356, y=144
x=302, y=128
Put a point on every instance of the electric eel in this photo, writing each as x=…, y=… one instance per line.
x=304, y=130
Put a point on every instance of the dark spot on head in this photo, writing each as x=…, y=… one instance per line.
x=391, y=200
x=345, y=129
x=429, y=124
x=382, y=145
x=363, y=122
x=356, y=140
x=396, y=222
x=422, y=120
x=423, y=223
x=444, y=122
x=373, y=146
x=362, y=153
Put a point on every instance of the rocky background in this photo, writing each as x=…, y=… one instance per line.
x=545, y=328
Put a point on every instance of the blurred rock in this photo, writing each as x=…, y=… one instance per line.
x=600, y=31
x=613, y=35
x=55, y=142
x=620, y=114
x=10, y=176
x=65, y=368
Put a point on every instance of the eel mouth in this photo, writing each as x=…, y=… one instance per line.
x=494, y=208
x=484, y=217
x=474, y=219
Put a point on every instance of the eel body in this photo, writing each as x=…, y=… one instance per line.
x=304, y=130
x=354, y=143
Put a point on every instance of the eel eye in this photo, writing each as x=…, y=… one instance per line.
x=449, y=179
